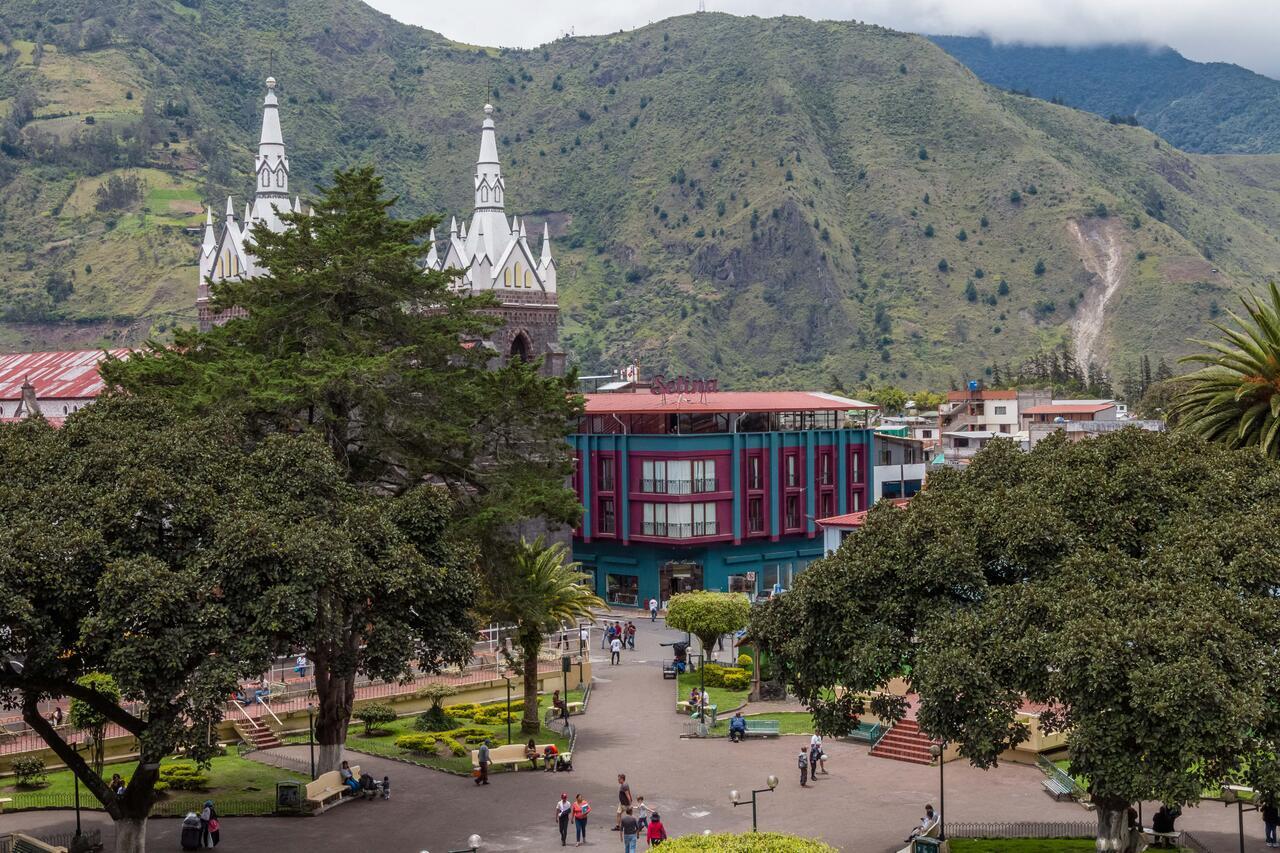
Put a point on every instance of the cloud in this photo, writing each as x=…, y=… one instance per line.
x=1240, y=31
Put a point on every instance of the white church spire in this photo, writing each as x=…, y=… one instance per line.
x=271, y=165
x=488, y=170
x=546, y=246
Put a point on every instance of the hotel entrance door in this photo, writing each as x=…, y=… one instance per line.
x=679, y=577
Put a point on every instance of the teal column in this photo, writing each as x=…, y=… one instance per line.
x=585, y=476
x=842, y=474
x=810, y=488
x=775, y=487
x=871, y=468
x=735, y=462
x=624, y=488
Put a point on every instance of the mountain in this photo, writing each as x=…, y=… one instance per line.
x=773, y=202
x=1208, y=107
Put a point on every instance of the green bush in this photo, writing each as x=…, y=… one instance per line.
x=470, y=734
x=435, y=719
x=745, y=661
x=464, y=711
x=374, y=716
x=736, y=679
x=184, y=777
x=748, y=842
x=417, y=742
x=455, y=748
x=30, y=771
x=717, y=675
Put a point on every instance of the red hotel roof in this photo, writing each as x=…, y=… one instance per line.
x=1069, y=409
x=857, y=519
x=55, y=375
x=644, y=402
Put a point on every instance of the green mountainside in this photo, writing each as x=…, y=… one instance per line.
x=1209, y=107
x=773, y=202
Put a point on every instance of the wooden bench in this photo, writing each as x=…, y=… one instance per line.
x=329, y=789
x=1058, y=789
x=763, y=727
x=512, y=754
x=19, y=843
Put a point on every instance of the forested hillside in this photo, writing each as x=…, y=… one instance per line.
x=1209, y=107
x=772, y=201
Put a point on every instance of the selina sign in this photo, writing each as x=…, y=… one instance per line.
x=683, y=385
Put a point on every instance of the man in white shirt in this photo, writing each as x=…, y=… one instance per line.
x=816, y=741
x=615, y=649
x=653, y=610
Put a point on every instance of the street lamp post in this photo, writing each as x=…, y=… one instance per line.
x=311, y=736
x=772, y=782
x=1231, y=794
x=936, y=751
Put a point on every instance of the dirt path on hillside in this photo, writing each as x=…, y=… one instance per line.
x=1102, y=252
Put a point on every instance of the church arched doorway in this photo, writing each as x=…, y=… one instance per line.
x=521, y=348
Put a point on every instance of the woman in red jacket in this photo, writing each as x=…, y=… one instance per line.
x=657, y=833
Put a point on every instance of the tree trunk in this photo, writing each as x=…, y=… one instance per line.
x=335, y=696
x=131, y=835
x=1113, y=825
x=530, y=645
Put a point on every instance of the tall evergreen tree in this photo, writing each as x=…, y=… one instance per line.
x=1163, y=371
x=347, y=336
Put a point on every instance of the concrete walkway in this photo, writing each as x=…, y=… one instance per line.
x=865, y=804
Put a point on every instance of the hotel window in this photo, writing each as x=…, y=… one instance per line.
x=755, y=477
x=828, y=505
x=607, y=518
x=776, y=576
x=755, y=515
x=793, y=472
x=743, y=582
x=704, y=519
x=606, y=474
x=855, y=502
x=655, y=520
x=793, y=512
x=826, y=468
x=704, y=475
x=653, y=476
x=679, y=521
x=622, y=589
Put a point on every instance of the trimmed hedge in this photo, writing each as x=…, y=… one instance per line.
x=715, y=675
x=749, y=842
x=184, y=777
x=417, y=742
x=736, y=679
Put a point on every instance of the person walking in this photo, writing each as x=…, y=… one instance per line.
x=209, y=821
x=605, y=636
x=656, y=833
x=653, y=610
x=631, y=636
x=624, y=800
x=581, y=808
x=482, y=758
x=564, y=810
x=615, y=651
x=630, y=831
x=803, y=763
x=642, y=813
x=816, y=754
x=1270, y=818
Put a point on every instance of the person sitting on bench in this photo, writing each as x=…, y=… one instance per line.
x=531, y=752
x=549, y=754
x=737, y=728
x=560, y=705
x=348, y=778
x=1162, y=822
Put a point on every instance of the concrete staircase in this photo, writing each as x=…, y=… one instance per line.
x=256, y=734
x=904, y=742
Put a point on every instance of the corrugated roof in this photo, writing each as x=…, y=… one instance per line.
x=56, y=375
x=857, y=519
x=984, y=394
x=644, y=402
x=1069, y=409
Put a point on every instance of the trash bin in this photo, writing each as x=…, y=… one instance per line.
x=712, y=710
x=288, y=797
x=926, y=845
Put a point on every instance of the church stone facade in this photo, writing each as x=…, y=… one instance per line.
x=492, y=254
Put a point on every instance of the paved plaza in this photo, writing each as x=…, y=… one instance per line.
x=865, y=804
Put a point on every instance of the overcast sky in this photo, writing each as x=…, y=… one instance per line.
x=1245, y=32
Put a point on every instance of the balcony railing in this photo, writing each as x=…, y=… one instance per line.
x=677, y=487
x=674, y=530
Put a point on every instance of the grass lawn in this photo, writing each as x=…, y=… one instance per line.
x=1209, y=793
x=230, y=778
x=385, y=745
x=1022, y=845
x=724, y=700
x=789, y=723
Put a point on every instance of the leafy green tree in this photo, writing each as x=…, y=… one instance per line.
x=541, y=593
x=928, y=401
x=1235, y=397
x=347, y=336
x=891, y=399
x=708, y=615
x=375, y=715
x=86, y=717
x=1119, y=582
x=152, y=552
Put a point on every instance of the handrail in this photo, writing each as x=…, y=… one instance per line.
x=878, y=731
x=263, y=702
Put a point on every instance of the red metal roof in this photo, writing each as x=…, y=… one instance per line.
x=644, y=402
x=1069, y=409
x=55, y=375
x=857, y=519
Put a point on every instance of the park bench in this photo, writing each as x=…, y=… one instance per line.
x=3, y=802
x=763, y=727
x=865, y=732
x=574, y=708
x=1161, y=839
x=19, y=843
x=328, y=788
x=511, y=754
x=1059, y=789
x=930, y=831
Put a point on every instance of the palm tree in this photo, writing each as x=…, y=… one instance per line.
x=541, y=593
x=1235, y=397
